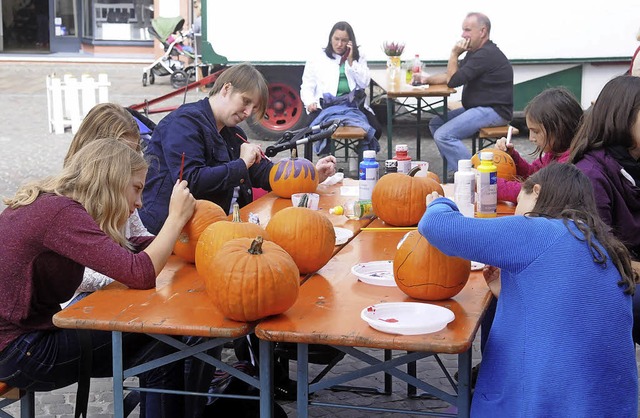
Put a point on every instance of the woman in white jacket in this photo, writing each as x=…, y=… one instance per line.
x=337, y=70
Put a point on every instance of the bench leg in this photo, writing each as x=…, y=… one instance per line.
x=28, y=405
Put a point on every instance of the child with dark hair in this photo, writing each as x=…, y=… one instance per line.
x=564, y=287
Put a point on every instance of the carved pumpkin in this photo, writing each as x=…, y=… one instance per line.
x=205, y=213
x=502, y=160
x=219, y=233
x=308, y=236
x=400, y=199
x=251, y=279
x=293, y=175
x=424, y=272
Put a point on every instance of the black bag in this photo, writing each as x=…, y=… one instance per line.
x=224, y=383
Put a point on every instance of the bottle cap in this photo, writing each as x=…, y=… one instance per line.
x=402, y=147
x=486, y=155
x=464, y=165
x=391, y=163
x=337, y=210
x=369, y=154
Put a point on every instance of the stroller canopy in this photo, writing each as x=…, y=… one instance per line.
x=165, y=26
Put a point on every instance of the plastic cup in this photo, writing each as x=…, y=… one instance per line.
x=424, y=167
x=312, y=202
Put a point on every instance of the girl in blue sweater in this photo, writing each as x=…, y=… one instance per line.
x=561, y=341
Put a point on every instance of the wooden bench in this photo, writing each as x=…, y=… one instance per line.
x=10, y=395
x=489, y=135
x=346, y=138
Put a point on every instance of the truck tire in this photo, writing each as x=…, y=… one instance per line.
x=285, y=111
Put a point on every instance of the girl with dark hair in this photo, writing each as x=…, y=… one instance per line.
x=553, y=117
x=564, y=285
x=607, y=149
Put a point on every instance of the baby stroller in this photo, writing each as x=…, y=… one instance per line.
x=168, y=31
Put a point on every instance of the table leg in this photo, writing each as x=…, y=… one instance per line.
x=390, y=105
x=118, y=375
x=266, y=379
x=445, y=116
x=418, y=119
x=464, y=384
x=303, y=379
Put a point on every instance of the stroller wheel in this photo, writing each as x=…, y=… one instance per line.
x=144, y=80
x=179, y=79
x=152, y=78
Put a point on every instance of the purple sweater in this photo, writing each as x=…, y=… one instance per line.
x=44, y=248
x=508, y=189
x=618, y=200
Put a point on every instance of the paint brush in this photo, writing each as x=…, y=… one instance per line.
x=182, y=166
x=509, y=132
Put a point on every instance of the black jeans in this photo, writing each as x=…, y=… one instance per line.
x=48, y=360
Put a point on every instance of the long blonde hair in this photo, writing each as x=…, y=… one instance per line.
x=96, y=177
x=105, y=120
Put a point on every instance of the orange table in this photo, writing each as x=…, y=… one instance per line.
x=179, y=305
x=328, y=312
x=420, y=93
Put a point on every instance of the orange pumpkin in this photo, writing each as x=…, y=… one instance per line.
x=424, y=272
x=251, y=279
x=502, y=160
x=205, y=213
x=400, y=199
x=293, y=175
x=433, y=176
x=218, y=233
x=308, y=236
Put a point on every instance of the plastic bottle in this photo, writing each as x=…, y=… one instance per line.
x=465, y=188
x=354, y=209
x=416, y=67
x=403, y=159
x=390, y=166
x=368, y=174
x=487, y=186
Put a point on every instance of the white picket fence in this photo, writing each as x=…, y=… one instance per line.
x=70, y=99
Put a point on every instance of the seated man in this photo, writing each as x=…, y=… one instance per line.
x=219, y=164
x=487, y=95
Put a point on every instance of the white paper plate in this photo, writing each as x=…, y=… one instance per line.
x=476, y=266
x=379, y=273
x=407, y=318
x=342, y=235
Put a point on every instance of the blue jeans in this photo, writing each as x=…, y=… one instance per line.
x=48, y=360
x=461, y=124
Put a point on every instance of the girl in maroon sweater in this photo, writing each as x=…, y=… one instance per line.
x=54, y=227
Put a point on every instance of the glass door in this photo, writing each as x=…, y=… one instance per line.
x=65, y=36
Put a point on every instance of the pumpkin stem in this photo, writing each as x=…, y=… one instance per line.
x=414, y=170
x=304, y=200
x=256, y=246
x=236, y=213
x=294, y=153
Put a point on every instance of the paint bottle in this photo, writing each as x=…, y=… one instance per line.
x=486, y=186
x=465, y=188
x=390, y=166
x=354, y=209
x=368, y=174
x=403, y=159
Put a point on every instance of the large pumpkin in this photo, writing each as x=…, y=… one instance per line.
x=307, y=235
x=424, y=272
x=502, y=160
x=218, y=233
x=205, y=213
x=293, y=175
x=400, y=199
x=251, y=279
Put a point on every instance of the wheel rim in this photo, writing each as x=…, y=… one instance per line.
x=284, y=109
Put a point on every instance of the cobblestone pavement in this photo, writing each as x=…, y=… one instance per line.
x=29, y=151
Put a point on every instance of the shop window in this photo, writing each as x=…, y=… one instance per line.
x=118, y=20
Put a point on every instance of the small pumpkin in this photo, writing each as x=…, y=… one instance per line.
x=424, y=272
x=400, y=199
x=502, y=160
x=204, y=214
x=433, y=176
x=219, y=233
x=293, y=175
x=307, y=235
x=251, y=279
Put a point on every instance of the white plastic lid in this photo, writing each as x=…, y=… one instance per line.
x=370, y=154
x=464, y=165
x=486, y=155
x=402, y=147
